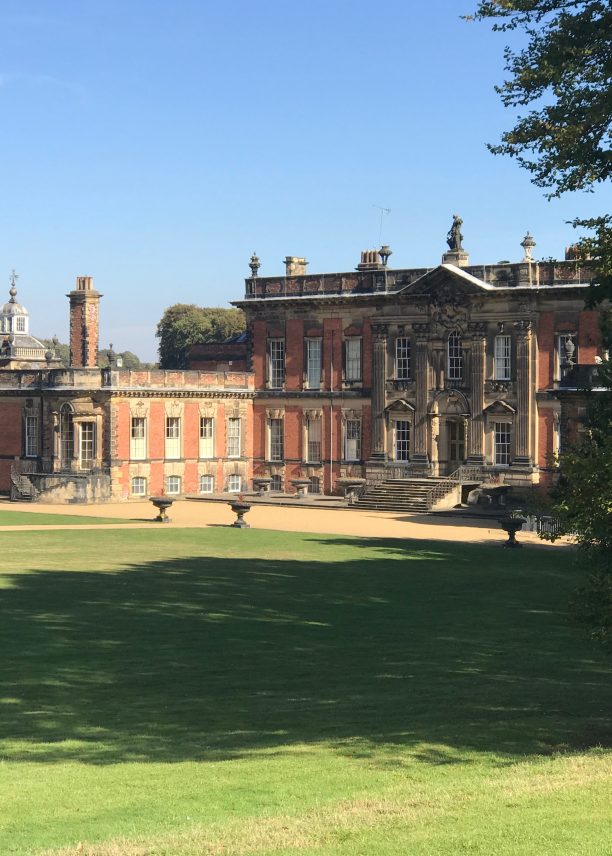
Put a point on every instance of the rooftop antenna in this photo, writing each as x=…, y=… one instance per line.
x=383, y=211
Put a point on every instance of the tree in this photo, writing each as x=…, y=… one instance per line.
x=564, y=75
x=185, y=324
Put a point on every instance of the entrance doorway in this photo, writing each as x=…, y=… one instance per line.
x=455, y=431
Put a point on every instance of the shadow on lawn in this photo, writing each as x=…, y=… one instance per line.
x=211, y=658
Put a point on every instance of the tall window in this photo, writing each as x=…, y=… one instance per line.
x=313, y=363
x=313, y=441
x=455, y=357
x=87, y=445
x=352, y=359
x=234, y=483
x=173, y=484
x=173, y=437
x=402, y=440
x=276, y=484
x=276, y=440
x=31, y=436
x=139, y=486
x=206, y=437
x=20, y=324
x=233, y=438
x=352, y=440
x=503, y=357
x=138, y=438
x=207, y=484
x=402, y=358
x=502, y=443
x=276, y=363
x=66, y=435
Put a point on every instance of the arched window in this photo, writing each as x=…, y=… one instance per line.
x=66, y=435
x=455, y=356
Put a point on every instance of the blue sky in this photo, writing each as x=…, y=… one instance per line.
x=154, y=144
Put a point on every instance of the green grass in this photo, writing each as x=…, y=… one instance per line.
x=35, y=518
x=234, y=692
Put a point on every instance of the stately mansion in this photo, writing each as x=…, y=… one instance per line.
x=449, y=373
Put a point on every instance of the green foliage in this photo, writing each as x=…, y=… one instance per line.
x=186, y=324
x=563, y=74
x=596, y=250
x=62, y=350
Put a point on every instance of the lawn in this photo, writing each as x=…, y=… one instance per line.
x=8, y=517
x=233, y=692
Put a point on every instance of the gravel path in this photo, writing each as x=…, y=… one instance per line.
x=380, y=524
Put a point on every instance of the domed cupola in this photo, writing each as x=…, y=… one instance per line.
x=14, y=317
x=17, y=348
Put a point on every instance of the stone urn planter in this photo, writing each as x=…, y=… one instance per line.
x=262, y=484
x=240, y=508
x=512, y=525
x=301, y=486
x=162, y=504
x=351, y=487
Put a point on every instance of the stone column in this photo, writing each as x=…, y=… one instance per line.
x=524, y=396
x=379, y=377
x=475, y=437
x=419, y=448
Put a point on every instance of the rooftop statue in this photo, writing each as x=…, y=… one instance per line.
x=454, y=237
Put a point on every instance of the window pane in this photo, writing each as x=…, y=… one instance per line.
x=66, y=436
x=31, y=436
x=455, y=357
x=503, y=358
x=402, y=358
x=173, y=484
x=313, y=363
x=173, y=437
x=139, y=486
x=233, y=438
x=234, y=483
x=352, y=369
x=206, y=437
x=402, y=440
x=276, y=357
x=138, y=438
x=502, y=443
x=206, y=484
x=352, y=450
x=87, y=445
x=276, y=439
x=277, y=483
x=313, y=440
x=315, y=485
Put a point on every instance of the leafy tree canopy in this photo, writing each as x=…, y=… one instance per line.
x=564, y=75
x=130, y=360
x=185, y=324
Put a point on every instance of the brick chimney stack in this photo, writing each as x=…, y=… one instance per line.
x=84, y=323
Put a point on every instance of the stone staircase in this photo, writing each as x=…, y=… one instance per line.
x=404, y=494
x=22, y=489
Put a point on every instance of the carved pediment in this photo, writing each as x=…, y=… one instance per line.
x=499, y=408
x=450, y=293
x=400, y=405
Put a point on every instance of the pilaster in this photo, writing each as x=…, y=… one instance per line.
x=419, y=450
x=379, y=372
x=477, y=379
x=523, y=456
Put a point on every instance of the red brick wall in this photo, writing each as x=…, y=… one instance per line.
x=293, y=433
x=157, y=430
x=259, y=353
x=294, y=354
x=10, y=439
x=367, y=353
x=546, y=349
x=123, y=427
x=191, y=431
x=545, y=438
x=79, y=310
x=332, y=338
x=589, y=337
